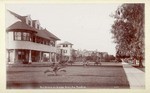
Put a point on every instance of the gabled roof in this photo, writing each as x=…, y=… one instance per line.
x=20, y=26
x=66, y=43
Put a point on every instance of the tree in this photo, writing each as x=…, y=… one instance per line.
x=128, y=31
x=111, y=57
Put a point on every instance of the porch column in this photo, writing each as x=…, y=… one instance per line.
x=30, y=59
x=55, y=59
x=15, y=56
x=40, y=57
x=50, y=57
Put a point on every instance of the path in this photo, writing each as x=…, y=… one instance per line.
x=135, y=76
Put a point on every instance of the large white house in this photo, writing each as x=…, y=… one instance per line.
x=27, y=41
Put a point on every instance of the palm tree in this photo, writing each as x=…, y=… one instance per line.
x=55, y=68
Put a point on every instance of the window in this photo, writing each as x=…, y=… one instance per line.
x=47, y=42
x=17, y=35
x=65, y=51
x=28, y=36
x=65, y=45
x=29, y=22
x=33, y=38
x=22, y=36
x=25, y=36
x=43, y=41
x=52, y=43
x=37, y=26
x=38, y=39
x=20, y=54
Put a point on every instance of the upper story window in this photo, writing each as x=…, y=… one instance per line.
x=17, y=35
x=37, y=26
x=25, y=36
x=38, y=39
x=52, y=43
x=29, y=22
x=65, y=45
x=22, y=36
x=70, y=46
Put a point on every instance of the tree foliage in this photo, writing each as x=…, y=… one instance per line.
x=128, y=30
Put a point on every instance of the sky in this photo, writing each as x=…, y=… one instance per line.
x=86, y=26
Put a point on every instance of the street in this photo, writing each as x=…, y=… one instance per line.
x=109, y=75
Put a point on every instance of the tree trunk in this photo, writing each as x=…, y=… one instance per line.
x=140, y=63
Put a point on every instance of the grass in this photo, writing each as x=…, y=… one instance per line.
x=87, y=77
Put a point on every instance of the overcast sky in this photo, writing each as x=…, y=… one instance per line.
x=87, y=26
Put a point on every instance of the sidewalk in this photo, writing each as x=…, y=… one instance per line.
x=135, y=76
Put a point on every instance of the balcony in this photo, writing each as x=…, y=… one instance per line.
x=30, y=46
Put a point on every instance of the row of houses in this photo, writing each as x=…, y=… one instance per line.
x=27, y=41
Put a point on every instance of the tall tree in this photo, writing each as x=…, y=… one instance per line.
x=128, y=30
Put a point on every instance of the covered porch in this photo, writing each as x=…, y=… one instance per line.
x=29, y=56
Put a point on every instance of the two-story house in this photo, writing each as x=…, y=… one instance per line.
x=66, y=48
x=27, y=41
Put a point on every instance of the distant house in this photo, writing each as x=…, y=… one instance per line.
x=66, y=48
x=104, y=54
x=27, y=41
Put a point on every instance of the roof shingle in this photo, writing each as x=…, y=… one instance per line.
x=66, y=43
x=22, y=26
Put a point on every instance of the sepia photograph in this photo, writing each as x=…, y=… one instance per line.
x=75, y=46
